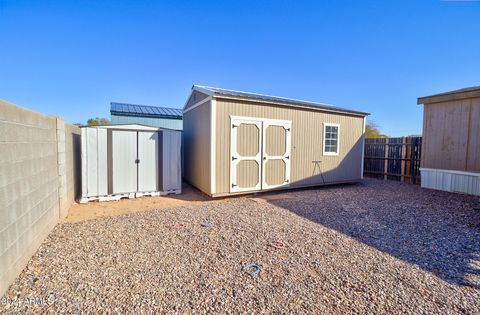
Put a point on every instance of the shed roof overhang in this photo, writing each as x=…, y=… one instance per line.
x=455, y=95
x=273, y=100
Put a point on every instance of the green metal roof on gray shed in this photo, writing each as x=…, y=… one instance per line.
x=155, y=116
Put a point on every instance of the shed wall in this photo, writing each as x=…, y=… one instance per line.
x=196, y=146
x=171, y=168
x=307, y=143
x=451, y=135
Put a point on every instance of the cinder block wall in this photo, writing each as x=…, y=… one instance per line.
x=37, y=176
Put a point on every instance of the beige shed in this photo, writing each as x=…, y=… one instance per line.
x=451, y=141
x=238, y=142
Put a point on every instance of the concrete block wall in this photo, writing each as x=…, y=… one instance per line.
x=33, y=185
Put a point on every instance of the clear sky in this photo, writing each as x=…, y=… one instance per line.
x=72, y=58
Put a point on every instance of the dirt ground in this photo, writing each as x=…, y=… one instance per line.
x=378, y=247
x=92, y=210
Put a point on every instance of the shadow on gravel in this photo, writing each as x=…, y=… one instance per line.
x=438, y=231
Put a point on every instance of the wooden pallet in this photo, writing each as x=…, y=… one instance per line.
x=116, y=197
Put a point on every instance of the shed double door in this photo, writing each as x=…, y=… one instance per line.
x=134, y=161
x=260, y=154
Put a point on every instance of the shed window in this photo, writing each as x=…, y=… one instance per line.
x=330, y=139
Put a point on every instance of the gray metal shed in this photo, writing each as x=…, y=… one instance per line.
x=121, y=161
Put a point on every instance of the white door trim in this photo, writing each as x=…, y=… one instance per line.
x=262, y=157
x=286, y=157
x=236, y=158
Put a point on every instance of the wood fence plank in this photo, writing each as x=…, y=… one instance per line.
x=385, y=168
x=393, y=158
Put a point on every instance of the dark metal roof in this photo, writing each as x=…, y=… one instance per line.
x=218, y=91
x=123, y=109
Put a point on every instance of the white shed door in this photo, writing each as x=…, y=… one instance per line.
x=245, y=154
x=276, y=153
x=124, y=166
x=148, y=157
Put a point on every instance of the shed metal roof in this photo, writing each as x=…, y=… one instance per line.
x=124, y=109
x=255, y=96
x=468, y=92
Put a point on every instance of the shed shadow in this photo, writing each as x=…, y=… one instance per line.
x=437, y=231
x=77, y=165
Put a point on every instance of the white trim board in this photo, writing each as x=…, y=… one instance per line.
x=261, y=157
x=197, y=104
x=213, y=145
x=260, y=119
x=286, y=157
x=325, y=125
x=236, y=158
x=363, y=146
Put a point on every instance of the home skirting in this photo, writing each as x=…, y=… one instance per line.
x=453, y=181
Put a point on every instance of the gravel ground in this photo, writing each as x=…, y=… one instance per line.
x=376, y=247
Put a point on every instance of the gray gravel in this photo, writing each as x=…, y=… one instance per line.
x=376, y=247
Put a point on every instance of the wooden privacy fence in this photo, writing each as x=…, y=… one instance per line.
x=393, y=158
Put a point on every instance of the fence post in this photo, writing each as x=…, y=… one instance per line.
x=408, y=160
x=413, y=143
x=385, y=165
x=402, y=161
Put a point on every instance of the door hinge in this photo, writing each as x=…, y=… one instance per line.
x=233, y=126
x=287, y=129
x=233, y=185
x=288, y=157
x=233, y=158
x=137, y=161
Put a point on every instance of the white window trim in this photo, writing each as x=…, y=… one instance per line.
x=325, y=125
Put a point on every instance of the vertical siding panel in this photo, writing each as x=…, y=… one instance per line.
x=446, y=135
x=473, y=157
x=307, y=142
x=196, y=139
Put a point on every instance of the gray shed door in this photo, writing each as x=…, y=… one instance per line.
x=148, y=157
x=124, y=155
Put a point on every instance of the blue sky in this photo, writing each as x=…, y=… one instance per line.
x=72, y=58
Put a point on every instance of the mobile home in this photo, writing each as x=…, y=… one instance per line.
x=451, y=141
